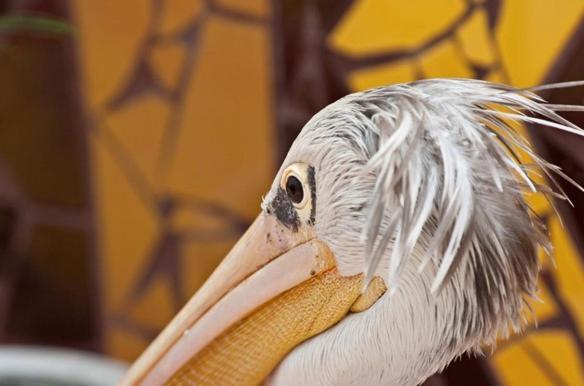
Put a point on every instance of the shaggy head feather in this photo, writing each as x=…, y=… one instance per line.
x=422, y=184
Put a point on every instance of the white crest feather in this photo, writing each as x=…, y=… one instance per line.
x=442, y=145
x=423, y=182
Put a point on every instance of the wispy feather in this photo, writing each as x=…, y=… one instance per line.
x=447, y=153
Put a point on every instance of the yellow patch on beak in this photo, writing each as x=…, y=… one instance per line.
x=276, y=288
x=247, y=352
x=372, y=293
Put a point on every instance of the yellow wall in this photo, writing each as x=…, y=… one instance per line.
x=222, y=151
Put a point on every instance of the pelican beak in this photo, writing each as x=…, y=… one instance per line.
x=276, y=288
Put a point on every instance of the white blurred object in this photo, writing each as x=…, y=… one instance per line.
x=36, y=365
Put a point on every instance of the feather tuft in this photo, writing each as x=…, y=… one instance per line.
x=448, y=150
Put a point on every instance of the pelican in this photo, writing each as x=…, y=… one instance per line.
x=395, y=237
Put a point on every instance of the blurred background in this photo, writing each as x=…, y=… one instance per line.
x=137, y=137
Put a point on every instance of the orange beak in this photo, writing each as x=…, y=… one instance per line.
x=274, y=289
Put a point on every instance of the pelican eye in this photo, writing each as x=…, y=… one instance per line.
x=295, y=185
x=294, y=189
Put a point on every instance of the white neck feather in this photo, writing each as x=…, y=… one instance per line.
x=401, y=340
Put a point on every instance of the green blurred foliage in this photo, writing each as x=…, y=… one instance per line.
x=34, y=23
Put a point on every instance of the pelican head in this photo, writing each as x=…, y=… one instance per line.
x=394, y=238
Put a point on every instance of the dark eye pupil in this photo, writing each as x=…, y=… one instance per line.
x=294, y=189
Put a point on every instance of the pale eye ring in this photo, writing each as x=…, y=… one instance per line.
x=294, y=185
